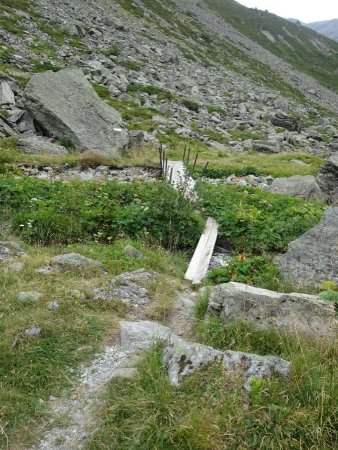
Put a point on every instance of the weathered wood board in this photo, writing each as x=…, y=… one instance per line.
x=199, y=264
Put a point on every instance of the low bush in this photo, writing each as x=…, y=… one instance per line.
x=50, y=213
x=256, y=222
x=190, y=104
x=223, y=172
x=256, y=270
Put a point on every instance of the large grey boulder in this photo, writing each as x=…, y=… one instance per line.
x=65, y=105
x=283, y=121
x=6, y=94
x=182, y=358
x=298, y=186
x=313, y=258
x=303, y=314
x=266, y=146
x=327, y=179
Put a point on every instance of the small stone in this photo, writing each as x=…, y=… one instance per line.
x=126, y=372
x=133, y=252
x=53, y=306
x=74, y=261
x=33, y=331
x=29, y=297
x=16, y=267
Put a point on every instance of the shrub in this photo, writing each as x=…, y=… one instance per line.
x=257, y=270
x=45, y=226
x=255, y=221
x=190, y=104
x=223, y=172
x=49, y=213
x=113, y=50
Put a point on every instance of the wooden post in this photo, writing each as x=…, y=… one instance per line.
x=188, y=158
x=171, y=175
x=166, y=166
x=205, y=168
x=160, y=152
x=193, y=169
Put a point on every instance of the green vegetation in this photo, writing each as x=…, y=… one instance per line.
x=242, y=135
x=209, y=411
x=12, y=25
x=151, y=90
x=255, y=221
x=45, y=213
x=190, y=104
x=59, y=35
x=297, y=45
x=130, y=65
x=33, y=369
x=114, y=49
x=255, y=270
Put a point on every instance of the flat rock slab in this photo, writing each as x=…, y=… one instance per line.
x=38, y=145
x=303, y=314
x=10, y=250
x=69, y=261
x=129, y=287
x=299, y=186
x=65, y=105
x=313, y=258
x=182, y=358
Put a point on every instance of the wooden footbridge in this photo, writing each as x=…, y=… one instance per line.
x=176, y=174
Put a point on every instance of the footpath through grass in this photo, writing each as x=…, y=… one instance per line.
x=210, y=411
x=34, y=368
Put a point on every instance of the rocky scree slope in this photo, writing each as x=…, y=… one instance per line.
x=169, y=72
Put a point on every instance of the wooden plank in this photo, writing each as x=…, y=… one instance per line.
x=180, y=179
x=199, y=264
x=177, y=176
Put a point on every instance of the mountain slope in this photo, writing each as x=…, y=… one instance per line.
x=328, y=28
x=314, y=55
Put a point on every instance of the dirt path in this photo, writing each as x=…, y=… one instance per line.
x=71, y=419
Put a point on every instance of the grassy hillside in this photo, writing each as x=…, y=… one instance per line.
x=305, y=49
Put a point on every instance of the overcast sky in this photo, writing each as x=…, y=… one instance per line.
x=304, y=10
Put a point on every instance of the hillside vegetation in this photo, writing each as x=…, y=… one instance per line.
x=104, y=342
x=303, y=48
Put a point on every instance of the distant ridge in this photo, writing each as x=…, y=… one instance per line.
x=328, y=28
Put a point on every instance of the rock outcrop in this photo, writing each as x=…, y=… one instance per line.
x=302, y=314
x=313, y=258
x=10, y=250
x=128, y=287
x=69, y=262
x=327, y=179
x=65, y=105
x=182, y=358
x=299, y=186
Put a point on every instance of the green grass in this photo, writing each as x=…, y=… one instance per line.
x=12, y=25
x=42, y=366
x=221, y=164
x=44, y=48
x=209, y=410
x=162, y=94
x=48, y=213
